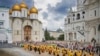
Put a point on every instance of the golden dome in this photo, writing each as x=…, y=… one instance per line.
x=16, y=7
x=10, y=11
x=23, y=5
x=34, y=10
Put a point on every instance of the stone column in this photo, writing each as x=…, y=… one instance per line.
x=73, y=36
x=67, y=36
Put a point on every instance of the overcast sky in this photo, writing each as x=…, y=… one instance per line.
x=51, y=12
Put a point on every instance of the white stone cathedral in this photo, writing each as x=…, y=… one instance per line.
x=83, y=25
x=25, y=24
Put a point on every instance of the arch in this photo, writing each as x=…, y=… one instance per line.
x=27, y=33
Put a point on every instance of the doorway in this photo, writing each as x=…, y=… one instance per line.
x=27, y=33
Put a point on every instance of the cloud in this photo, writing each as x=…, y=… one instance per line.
x=61, y=8
x=45, y=15
x=51, y=12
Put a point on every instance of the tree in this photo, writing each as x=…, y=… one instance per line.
x=47, y=35
x=61, y=37
x=52, y=38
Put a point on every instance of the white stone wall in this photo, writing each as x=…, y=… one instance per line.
x=4, y=17
x=37, y=34
x=55, y=34
x=17, y=29
x=88, y=22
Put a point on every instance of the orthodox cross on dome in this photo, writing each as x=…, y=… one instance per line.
x=16, y=1
x=33, y=2
x=23, y=0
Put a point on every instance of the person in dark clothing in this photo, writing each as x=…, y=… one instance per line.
x=30, y=47
x=35, y=49
x=75, y=54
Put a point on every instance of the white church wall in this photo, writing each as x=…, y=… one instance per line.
x=24, y=12
x=37, y=31
x=33, y=16
x=17, y=29
x=4, y=16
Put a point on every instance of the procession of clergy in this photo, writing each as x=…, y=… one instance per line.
x=56, y=51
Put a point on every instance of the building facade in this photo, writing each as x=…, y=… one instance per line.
x=25, y=24
x=5, y=30
x=84, y=24
x=56, y=34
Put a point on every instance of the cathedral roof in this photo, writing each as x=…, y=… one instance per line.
x=34, y=10
x=16, y=7
x=23, y=5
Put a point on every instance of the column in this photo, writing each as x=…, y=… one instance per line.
x=73, y=36
x=67, y=36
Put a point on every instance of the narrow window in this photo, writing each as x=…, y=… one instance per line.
x=24, y=13
x=73, y=16
x=75, y=35
x=83, y=13
x=83, y=16
x=95, y=12
x=68, y=20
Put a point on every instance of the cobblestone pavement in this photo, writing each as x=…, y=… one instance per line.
x=21, y=52
x=16, y=52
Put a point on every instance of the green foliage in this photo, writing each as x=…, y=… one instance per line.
x=61, y=37
x=47, y=35
x=52, y=38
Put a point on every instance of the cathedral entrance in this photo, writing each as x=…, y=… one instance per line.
x=27, y=33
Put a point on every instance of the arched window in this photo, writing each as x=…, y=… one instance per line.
x=78, y=16
x=83, y=13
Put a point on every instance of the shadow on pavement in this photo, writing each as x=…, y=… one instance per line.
x=2, y=53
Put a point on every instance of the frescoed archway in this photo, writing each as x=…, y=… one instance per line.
x=27, y=33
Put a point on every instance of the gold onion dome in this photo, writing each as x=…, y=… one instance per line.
x=16, y=7
x=10, y=11
x=34, y=10
x=23, y=5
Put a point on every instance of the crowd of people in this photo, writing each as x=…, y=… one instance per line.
x=57, y=51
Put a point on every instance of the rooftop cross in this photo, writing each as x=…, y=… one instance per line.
x=33, y=2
